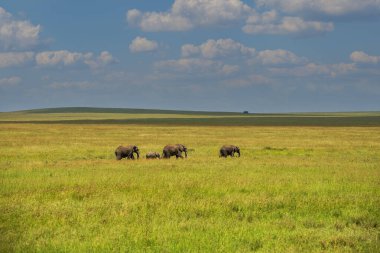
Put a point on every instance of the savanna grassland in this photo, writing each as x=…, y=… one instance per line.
x=303, y=183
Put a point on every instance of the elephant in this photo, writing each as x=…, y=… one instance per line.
x=229, y=150
x=127, y=152
x=171, y=150
x=153, y=155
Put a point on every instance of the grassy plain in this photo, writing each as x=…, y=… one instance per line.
x=295, y=188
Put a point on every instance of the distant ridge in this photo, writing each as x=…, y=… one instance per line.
x=185, y=112
x=121, y=110
x=93, y=115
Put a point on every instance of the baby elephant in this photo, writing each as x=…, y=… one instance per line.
x=127, y=152
x=153, y=155
x=229, y=150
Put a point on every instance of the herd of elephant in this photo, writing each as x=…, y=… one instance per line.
x=168, y=151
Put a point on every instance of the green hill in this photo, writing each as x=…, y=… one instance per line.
x=90, y=115
x=122, y=110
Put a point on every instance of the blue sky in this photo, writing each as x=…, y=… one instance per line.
x=222, y=55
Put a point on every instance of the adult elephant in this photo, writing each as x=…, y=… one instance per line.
x=127, y=152
x=152, y=155
x=174, y=150
x=229, y=150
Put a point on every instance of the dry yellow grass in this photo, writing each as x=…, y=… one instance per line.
x=294, y=189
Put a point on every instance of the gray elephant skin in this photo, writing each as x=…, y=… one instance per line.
x=229, y=150
x=127, y=152
x=153, y=155
x=174, y=150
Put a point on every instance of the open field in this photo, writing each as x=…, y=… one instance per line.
x=298, y=187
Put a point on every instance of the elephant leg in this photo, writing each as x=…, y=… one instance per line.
x=179, y=154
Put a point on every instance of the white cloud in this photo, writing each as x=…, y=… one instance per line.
x=198, y=66
x=72, y=84
x=15, y=34
x=217, y=48
x=106, y=57
x=102, y=60
x=278, y=56
x=154, y=21
x=361, y=57
x=250, y=80
x=231, y=49
x=52, y=58
x=229, y=69
x=140, y=44
x=187, y=14
x=210, y=12
x=327, y=7
x=56, y=57
x=15, y=58
x=10, y=81
x=133, y=16
x=271, y=23
x=313, y=69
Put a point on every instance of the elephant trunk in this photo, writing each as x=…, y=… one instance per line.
x=138, y=154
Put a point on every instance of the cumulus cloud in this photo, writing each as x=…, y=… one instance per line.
x=230, y=49
x=56, y=57
x=102, y=60
x=187, y=14
x=106, y=57
x=11, y=59
x=141, y=44
x=16, y=34
x=10, y=81
x=247, y=81
x=326, y=7
x=195, y=65
x=278, y=56
x=313, y=69
x=271, y=23
x=155, y=21
x=361, y=57
x=71, y=84
x=217, y=48
x=66, y=58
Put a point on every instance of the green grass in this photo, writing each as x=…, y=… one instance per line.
x=294, y=189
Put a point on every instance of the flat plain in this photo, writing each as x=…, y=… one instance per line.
x=304, y=182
